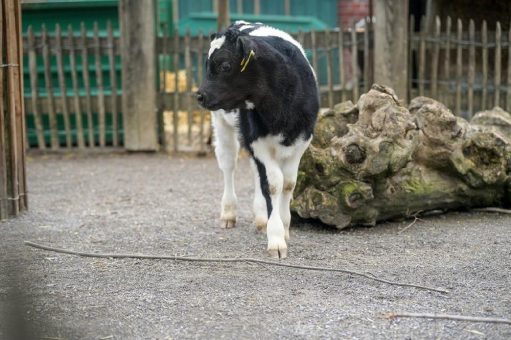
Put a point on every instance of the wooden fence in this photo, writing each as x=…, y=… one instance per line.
x=341, y=60
x=74, y=99
x=13, y=190
x=468, y=68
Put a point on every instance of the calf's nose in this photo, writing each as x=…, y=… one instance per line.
x=200, y=97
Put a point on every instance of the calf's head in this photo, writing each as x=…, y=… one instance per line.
x=230, y=71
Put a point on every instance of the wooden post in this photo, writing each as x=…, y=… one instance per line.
x=13, y=197
x=391, y=45
x=138, y=53
x=223, y=15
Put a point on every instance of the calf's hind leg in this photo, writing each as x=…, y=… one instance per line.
x=260, y=204
x=226, y=150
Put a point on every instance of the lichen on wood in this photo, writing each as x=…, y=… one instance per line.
x=378, y=160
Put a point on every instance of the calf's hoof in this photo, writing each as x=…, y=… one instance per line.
x=227, y=223
x=277, y=250
x=261, y=225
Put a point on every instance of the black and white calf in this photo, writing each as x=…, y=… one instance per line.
x=263, y=94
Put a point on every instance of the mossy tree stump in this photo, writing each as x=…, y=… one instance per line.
x=378, y=160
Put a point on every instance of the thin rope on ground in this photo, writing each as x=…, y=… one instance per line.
x=229, y=260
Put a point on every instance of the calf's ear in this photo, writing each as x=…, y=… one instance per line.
x=247, y=47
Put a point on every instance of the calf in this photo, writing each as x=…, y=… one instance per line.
x=263, y=94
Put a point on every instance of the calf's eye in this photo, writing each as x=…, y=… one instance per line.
x=225, y=67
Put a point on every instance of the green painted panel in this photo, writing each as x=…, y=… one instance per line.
x=206, y=22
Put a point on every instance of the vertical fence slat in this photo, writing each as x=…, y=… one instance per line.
x=508, y=99
x=434, y=60
x=34, y=92
x=471, y=67
x=354, y=59
x=239, y=6
x=200, y=62
x=188, y=67
x=49, y=90
x=14, y=108
x=113, y=84
x=76, y=89
x=498, y=61
x=422, y=56
x=342, y=79
x=175, y=113
x=329, y=70
x=257, y=7
x=86, y=83
x=20, y=111
x=62, y=84
x=100, y=87
x=3, y=145
x=314, y=52
x=447, y=62
x=164, y=71
x=367, y=67
x=459, y=65
x=484, y=39
x=411, y=48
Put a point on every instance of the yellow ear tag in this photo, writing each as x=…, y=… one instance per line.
x=245, y=63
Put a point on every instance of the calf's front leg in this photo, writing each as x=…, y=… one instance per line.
x=226, y=150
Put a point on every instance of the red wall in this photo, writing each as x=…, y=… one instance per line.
x=352, y=10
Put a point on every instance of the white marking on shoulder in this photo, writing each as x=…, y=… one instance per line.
x=267, y=31
x=249, y=105
x=216, y=44
x=245, y=27
x=241, y=22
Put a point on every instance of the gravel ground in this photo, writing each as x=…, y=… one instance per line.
x=153, y=203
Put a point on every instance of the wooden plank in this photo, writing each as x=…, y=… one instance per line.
x=62, y=85
x=459, y=66
x=100, y=86
x=113, y=85
x=239, y=6
x=20, y=112
x=287, y=7
x=422, y=56
x=354, y=60
x=4, y=204
x=175, y=111
x=54, y=139
x=34, y=93
x=188, y=69
x=498, y=65
x=139, y=77
x=411, y=54
x=367, y=67
x=471, y=67
x=200, y=71
x=434, y=59
x=329, y=75
x=391, y=45
x=314, y=51
x=257, y=7
x=13, y=107
x=86, y=84
x=484, y=38
x=508, y=99
x=342, y=79
x=447, y=62
x=76, y=89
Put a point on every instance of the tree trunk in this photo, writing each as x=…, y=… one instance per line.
x=378, y=160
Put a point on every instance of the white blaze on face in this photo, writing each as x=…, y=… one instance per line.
x=216, y=44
